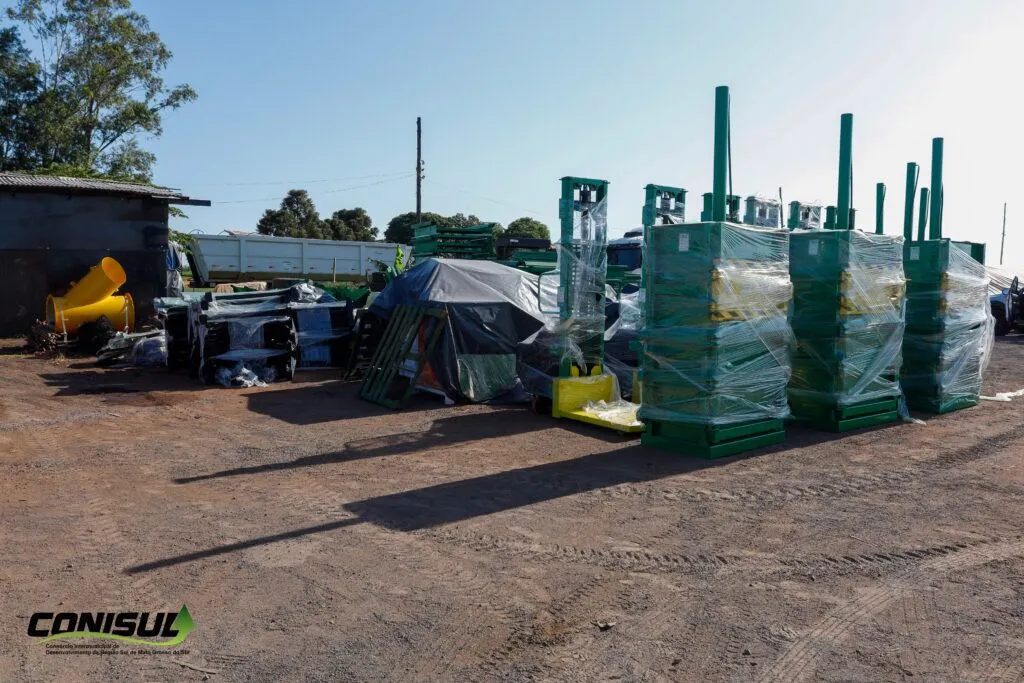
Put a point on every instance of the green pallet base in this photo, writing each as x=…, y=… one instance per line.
x=845, y=418
x=705, y=441
x=939, y=406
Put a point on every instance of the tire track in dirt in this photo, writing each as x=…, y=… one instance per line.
x=802, y=659
x=469, y=583
x=836, y=485
x=646, y=561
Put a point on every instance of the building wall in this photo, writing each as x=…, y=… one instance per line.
x=48, y=240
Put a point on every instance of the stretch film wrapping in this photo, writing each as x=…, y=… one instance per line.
x=716, y=339
x=949, y=327
x=848, y=318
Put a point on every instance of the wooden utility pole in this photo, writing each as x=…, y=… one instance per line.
x=1003, y=242
x=419, y=170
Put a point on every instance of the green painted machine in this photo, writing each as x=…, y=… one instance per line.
x=715, y=341
x=847, y=316
x=582, y=383
x=948, y=334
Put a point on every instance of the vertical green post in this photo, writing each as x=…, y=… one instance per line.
x=935, y=232
x=908, y=207
x=922, y=218
x=721, y=161
x=794, y=215
x=830, y=218
x=845, y=171
x=879, y=208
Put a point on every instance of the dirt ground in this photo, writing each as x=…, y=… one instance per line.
x=316, y=537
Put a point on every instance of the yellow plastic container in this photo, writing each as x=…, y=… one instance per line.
x=101, y=281
x=119, y=309
x=91, y=298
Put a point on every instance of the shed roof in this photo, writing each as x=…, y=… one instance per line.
x=27, y=182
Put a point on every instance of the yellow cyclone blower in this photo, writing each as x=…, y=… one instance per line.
x=91, y=298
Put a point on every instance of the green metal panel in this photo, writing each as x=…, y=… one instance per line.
x=395, y=348
x=721, y=159
x=936, y=201
x=908, y=205
x=845, y=170
x=879, y=208
x=922, y=219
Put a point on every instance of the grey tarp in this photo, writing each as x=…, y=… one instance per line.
x=491, y=309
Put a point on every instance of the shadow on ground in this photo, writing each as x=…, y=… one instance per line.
x=466, y=499
x=445, y=432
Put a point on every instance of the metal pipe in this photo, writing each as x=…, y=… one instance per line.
x=935, y=232
x=721, y=152
x=879, y=207
x=908, y=206
x=922, y=220
x=845, y=171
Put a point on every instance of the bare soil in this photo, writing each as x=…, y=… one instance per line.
x=316, y=537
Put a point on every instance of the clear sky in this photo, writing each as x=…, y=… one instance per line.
x=323, y=95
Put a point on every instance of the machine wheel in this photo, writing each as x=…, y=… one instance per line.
x=1002, y=325
x=541, y=405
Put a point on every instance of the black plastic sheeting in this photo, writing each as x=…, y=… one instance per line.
x=495, y=346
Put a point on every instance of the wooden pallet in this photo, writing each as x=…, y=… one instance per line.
x=396, y=347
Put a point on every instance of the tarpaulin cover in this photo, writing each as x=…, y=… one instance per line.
x=491, y=309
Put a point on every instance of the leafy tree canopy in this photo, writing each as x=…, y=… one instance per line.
x=527, y=227
x=298, y=217
x=95, y=87
x=402, y=227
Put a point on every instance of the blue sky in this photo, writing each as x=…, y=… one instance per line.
x=515, y=95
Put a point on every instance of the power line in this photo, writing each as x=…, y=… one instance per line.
x=340, y=189
x=490, y=199
x=303, y=182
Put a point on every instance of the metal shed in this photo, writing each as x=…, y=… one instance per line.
x=52, y=229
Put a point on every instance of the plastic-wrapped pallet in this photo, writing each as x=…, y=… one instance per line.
x=716, y=339
x=848, y=319
x=949, y=326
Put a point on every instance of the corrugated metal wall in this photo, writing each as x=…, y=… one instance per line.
x=48, y=240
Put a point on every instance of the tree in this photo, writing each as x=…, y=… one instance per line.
x=19, y=82
x=528, y=227
x=499, y=230
x=98, y=87
x=401, y=228
x=297, y=217
x=350, y=224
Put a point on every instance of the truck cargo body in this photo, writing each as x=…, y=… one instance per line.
x=229, y=258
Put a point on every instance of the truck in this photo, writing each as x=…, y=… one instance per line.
x=239, y=258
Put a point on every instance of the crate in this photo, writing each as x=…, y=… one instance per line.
x=712, y=441
x=844, y=418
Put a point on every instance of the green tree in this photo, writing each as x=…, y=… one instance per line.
x=297, y=217
x=499, y=230
x=527, y=227
x=401, y=228
x=19, y=83
x=350, y=224
x=99, y=87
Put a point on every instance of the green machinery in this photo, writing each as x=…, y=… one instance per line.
x=582, y=271
x=715, y=339
x=947, y=305
x=663, y=205
x=847, y=316
x=472, y=242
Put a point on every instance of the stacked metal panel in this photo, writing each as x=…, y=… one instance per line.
x=716, y=339
x=949, y=334
x=473, y=242
x=848, y=319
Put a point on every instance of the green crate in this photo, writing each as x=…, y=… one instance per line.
x=844, y=418
x=708, y=441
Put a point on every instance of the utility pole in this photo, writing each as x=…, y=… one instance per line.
x=419, y=171
x=1003, y=242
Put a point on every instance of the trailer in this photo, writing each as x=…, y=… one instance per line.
x=239, y=258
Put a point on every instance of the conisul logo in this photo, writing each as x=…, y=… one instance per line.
x=126, y=627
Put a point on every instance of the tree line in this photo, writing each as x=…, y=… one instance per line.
x=297, y=216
